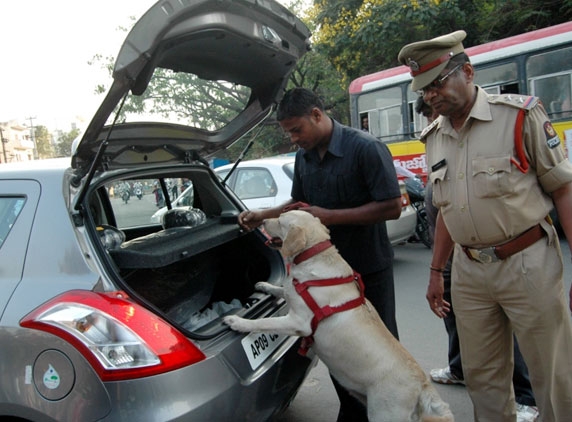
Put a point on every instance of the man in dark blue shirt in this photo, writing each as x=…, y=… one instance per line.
x=348, y=180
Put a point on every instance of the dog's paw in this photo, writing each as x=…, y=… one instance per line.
x=236, y=323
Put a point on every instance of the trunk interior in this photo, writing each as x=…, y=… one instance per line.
x=192, y=284
x=192, y=273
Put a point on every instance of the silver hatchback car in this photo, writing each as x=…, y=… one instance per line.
x=107, y=316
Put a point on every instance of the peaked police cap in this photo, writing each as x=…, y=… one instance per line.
x=426, y=59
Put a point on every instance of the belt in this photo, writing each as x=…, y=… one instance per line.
x=499, y=252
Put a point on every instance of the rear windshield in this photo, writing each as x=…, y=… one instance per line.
x=186, y=99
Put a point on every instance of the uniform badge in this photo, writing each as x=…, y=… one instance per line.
x=413, y=65
x=552, y=139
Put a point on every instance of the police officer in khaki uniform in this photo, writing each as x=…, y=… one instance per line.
x=497, y=168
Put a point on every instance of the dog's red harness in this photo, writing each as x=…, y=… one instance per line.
x=321, y=313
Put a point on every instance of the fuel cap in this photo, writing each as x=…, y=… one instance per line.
x=54, y=375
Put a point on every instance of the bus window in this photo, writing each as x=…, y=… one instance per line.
x=364, y=120
x=385, y=119
x=417, y=122
x=550, y=79
x=499, y=79
x=391, y=128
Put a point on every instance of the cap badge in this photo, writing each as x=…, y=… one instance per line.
x=413, y=65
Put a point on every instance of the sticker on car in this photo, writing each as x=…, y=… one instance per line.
x=259, y=346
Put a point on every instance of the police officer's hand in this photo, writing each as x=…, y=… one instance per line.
x=250, y=219
x=438, y=305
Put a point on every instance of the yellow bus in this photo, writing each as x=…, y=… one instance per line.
x=535, y=63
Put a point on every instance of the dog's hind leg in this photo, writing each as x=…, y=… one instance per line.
x=434, y=409
x=271, y=289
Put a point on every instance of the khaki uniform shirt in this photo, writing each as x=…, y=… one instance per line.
x=483, y=197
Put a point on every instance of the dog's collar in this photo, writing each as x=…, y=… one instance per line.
x=314, y=250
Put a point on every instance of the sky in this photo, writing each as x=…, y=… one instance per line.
x=45, y=47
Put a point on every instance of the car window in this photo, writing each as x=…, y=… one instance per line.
x=135, y=202
x=222, y=174
x=201, y=103
x=10, y=208
x=254, y=183
x=289, y=170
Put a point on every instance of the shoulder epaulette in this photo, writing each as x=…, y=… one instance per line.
x=525, y=102
x=429, y=129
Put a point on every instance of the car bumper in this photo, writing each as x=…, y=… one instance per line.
x=222, y=387
x=212, y=390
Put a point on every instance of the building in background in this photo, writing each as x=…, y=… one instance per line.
x=17, y=143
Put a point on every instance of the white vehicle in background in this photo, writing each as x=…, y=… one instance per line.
x=261, y=183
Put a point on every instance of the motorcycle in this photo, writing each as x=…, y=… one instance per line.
x=138, y=193
x=416, y=191
x=125, y=196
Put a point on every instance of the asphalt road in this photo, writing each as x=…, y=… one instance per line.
x=136, y=212
x=420, y=331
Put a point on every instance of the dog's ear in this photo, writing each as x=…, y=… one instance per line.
x=294, y=242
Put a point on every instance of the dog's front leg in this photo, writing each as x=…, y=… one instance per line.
x=271, y=289
x=289, y=325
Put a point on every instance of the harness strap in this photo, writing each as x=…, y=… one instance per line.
x=314, y=250
x=321, y=313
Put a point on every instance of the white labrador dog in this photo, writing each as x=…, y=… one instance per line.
x=354, y=344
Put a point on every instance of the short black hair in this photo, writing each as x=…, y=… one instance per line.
x=298, y=102
x=421, y=107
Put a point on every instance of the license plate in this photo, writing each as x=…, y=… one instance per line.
x=258, y=346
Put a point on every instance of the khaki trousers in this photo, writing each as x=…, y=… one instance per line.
x=523, y=293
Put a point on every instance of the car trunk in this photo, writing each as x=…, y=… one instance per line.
x=191, y=271
x=194, y=275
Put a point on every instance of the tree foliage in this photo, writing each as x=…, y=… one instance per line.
x=503, y=18
x=64, y=144
x=364, y=36
x=42, y=139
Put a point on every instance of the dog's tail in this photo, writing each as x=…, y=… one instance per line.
x=432, y=407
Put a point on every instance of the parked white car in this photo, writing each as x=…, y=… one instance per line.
x=262, y=183
x=267, y=182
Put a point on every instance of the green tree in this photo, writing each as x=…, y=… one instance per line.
x=503, y=18
x=64, y=144
x=364, y=36
x=42, y=138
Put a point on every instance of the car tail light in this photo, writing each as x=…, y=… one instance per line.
x=121, y=340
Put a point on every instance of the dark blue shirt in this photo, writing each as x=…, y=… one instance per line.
x=355, y=170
